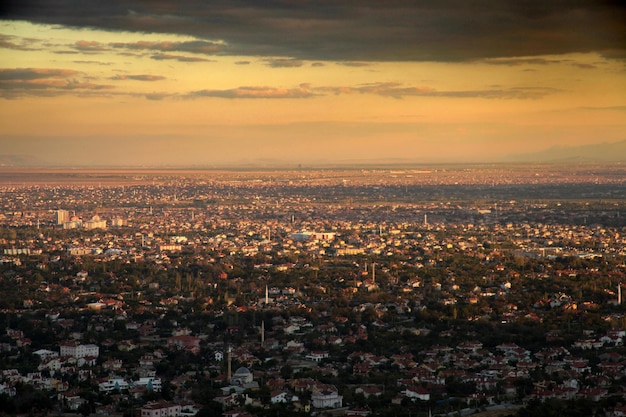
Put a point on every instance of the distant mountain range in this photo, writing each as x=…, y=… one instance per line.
x=20, y=161
x=600, y=152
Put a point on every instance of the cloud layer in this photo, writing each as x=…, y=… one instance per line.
x=351, y=30
x=16, y=82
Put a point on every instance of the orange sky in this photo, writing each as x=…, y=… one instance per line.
x=116, y=96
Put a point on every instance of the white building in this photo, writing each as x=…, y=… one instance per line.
x=304, y=236
x=327, y=399
x=76, y=350
x=153, y=384
x=113, y=384
x=95, y=223
x=46, y=354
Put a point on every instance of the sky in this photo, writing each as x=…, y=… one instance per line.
x=297, y=82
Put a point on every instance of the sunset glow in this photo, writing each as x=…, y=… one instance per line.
x=171, y=86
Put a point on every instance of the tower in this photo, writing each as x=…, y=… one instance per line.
x=62, y=216
x=619, y=293
x=373, y=272
x=230, y=365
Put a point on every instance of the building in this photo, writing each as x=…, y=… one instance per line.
x=418, y=392
x=242, y=376
x=95, y=223
x=76, y=350
x=184, y=342
x=62, y=217
x=304, y=236
x=73, y=223
x=161, y=409
x=113, y=384
x=327, y=399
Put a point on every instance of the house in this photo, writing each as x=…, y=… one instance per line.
x=278, y=396
x=417, y=393
x=152, y=384
x=184, y=342
x=45, y=354
x=357, y=412
x=161, y=409
x=369, y=391
x=328, y=398
x=317, y=356
x=113, y=384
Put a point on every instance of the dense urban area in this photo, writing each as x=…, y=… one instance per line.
x=420, y=291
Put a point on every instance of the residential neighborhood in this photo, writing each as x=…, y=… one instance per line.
x=314, y=293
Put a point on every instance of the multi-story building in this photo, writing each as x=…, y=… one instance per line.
x=62, y=216
x=161, y=409
x=76, y=350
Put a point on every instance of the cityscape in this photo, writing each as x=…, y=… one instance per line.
x=290, y=208
x=488, y=290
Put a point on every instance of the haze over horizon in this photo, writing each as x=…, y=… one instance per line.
x=166, y=83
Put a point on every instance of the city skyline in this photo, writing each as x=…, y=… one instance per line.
x=296, y=83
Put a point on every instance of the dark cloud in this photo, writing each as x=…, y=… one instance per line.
x=138, y=77
x=82, y=61
x=512, y=62
x=242, y=63
x=616, y=108
x=283, y=63
x=27, y=74
x=584, y=66
x=395, y=90
x=157, y=96
x=179, y=58
x=16, y=82
x=354, y=30
x=198, y=47
x=9, y=42
x=49, y=81
x=90, y=46
x=392, y=90
x=303, y=91
x=353, y=64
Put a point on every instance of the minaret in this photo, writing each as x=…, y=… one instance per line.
x=230, y=366
x=267, y=296
x=619, y=293
x=373, y=272
x=262, y=332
